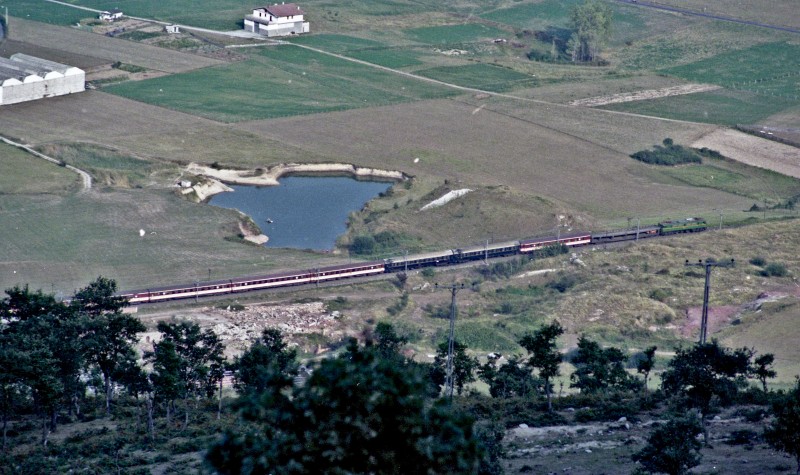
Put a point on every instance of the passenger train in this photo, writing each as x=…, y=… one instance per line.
x=416, y=261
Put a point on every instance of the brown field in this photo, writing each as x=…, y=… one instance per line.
x=537, y=157
x=9, y=47
x=753, y=151
x=73, y=41
x=140, y=129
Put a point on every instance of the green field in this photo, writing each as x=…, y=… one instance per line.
x=726, y=175
x=337, y=43
x=25, y=174
x=279, y=82
x=364, y=49
x=454, y=34
x=214, y=14
x=725, y=107
x=480, y=76
x=769, y=68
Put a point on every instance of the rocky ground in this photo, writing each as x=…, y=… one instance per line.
x=736, y=447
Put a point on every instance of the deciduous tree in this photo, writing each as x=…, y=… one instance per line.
x=257, y=367
x=464, y=366
x=646, y=364
x=358, y=413
x=598, y=369
x=544, y=356
x=784, y=432
x=591, y=28
x=672, y=448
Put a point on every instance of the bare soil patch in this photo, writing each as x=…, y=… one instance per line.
x=85, y=61
x=606, y=447
x=644, y=95
x=753, y=151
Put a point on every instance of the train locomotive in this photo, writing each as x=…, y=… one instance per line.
x=408, y=262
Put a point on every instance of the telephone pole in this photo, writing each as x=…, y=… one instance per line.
x=708, y=264
x=449, y=369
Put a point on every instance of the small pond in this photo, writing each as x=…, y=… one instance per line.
x=302, y=212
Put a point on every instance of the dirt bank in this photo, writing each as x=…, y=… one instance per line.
x=269, y=176
x=644, y=95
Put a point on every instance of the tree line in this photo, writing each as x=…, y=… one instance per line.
x=367, y=410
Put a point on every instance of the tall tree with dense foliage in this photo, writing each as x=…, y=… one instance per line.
x=590, y=23
x=672, y=448
x=512, y=379
x=544, y=357
x=357, y=413
x=784, y=432
x=762, y=369
x=598, y=369
x=200, y=354
x=166, y=378
x=256, y=368
x=464, y=366
x=706, y=372
x=109, y=336
x=646, y=364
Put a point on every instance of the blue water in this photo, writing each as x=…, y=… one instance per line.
x=306, y=212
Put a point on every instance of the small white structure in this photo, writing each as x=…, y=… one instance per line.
x=172, y=29
x=277, y=20
x=113, y=15
x=27, y=78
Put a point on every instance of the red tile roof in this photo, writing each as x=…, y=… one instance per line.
x=284, y=10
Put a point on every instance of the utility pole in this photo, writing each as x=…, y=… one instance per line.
x=448, y=382
x=708, y=264
x=720, y=217
x=638, y=227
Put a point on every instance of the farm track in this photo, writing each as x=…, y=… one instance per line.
x=86, y=178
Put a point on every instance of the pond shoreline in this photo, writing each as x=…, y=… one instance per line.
x=270, y=176
x=214, y=181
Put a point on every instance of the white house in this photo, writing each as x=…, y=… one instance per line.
x=172, y=29
x=113, y=15
x=277, y=20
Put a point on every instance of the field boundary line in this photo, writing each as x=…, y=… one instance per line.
x=86, y=178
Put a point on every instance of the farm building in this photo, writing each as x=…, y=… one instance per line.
x=113, y=15
x=27, y=78
x=277, y=20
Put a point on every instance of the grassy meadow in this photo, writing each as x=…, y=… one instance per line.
x=278, y=82
x=24, y=174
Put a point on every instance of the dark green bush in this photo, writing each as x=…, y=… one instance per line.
x=774, y=270
x=668, y=154
x=661, y=294
x=563, y=282
x=758, y=261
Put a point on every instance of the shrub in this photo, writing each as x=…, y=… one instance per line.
x=338, y=303
x=668, y=154
x=774, y=270
x=564, y=282
x=758, y=261
x=363, y=244
x=428, y=272
x=661, y=294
